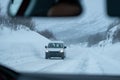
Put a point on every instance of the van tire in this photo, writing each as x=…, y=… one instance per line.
x=63, y=57
x=46, y=56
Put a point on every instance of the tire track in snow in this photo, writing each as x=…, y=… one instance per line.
x=84, y=61
x=76, y=65
x=93, y=65
x=67, y=66
x=36, y=65
x=89, y=64
x=107, y=65
x=47, y=66
x=83, y=65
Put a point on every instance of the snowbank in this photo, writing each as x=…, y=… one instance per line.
x=20, y=47
x=110, y=50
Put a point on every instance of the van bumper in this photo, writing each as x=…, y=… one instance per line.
x=55, y=54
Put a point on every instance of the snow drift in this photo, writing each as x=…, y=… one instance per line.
x=22, y=46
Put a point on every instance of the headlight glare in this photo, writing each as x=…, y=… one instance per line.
x=46, y=51
x=61, y=51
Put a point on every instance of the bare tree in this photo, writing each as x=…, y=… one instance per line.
x=22, y=21
x=48, y=34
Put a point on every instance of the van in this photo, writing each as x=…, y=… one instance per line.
x=55, y=49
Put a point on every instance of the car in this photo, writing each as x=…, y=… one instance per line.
x=55, y=49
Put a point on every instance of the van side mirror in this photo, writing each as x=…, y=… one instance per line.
x=46, y=47
x=65, y=47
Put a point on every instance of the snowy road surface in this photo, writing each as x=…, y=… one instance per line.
x=80, y=60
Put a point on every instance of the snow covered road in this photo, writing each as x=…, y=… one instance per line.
x=80, y=60
x=84, y=61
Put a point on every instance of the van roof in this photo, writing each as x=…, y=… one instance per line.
x=56, y=42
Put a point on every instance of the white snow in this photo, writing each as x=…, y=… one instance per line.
x=84, y=60
x=22, y=46
x=24, y=51
x=93, y=21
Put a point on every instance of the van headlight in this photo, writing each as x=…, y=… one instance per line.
x=61, y=51
x=46, y=51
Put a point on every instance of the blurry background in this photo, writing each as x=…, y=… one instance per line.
x=84, y=28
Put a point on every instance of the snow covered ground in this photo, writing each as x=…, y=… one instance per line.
x=84, y=60
x=18, y=47
x=23, y=51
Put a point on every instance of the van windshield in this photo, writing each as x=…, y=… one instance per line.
x=55, y=45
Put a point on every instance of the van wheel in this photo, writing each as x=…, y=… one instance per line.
x=63, y=57
x=46, y=56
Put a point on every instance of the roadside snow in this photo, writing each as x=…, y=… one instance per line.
x=20, y=47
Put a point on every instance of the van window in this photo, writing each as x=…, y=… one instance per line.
x=55, y=45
